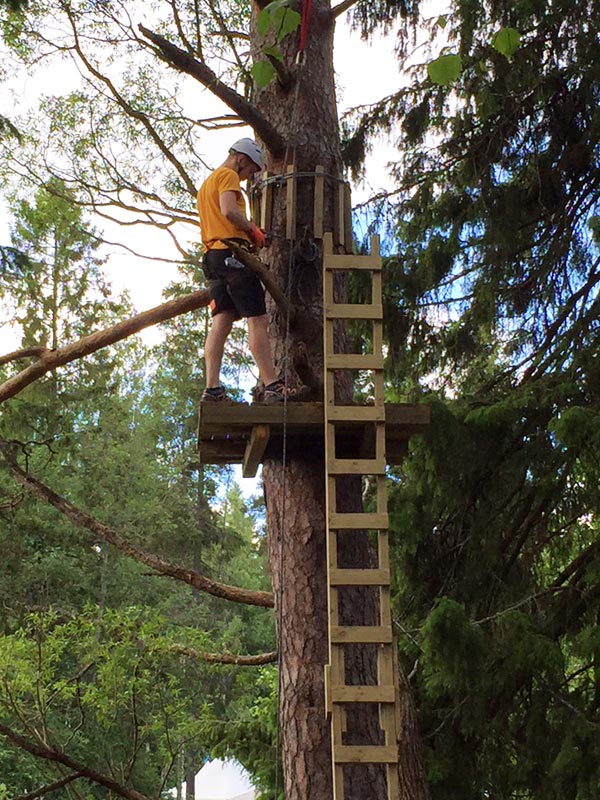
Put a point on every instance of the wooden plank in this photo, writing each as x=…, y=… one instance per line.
x=393, y=783
x=255, y=450
x=349, y=261
x=354, y=361
x=358, y=521
x=358, y=414
x=353, y=311
x=216, y=417
x=363, y=694
x=408, y=415
x=221, y=452
x=361, y=634
x=291, y=189
x=348, y=238
x=359, y=577
x=383, y=550
x=318, y=204
x=356, y=466
x=266, y=203
x=366, y=754
x=339, y=219
x=327, y=684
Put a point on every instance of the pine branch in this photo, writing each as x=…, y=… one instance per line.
x=155, y=562
x=51, y=359
x=184, y=62
x=50, y=754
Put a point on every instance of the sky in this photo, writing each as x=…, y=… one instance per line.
x=355, y=63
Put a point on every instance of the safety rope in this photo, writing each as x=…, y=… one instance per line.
x=304, y=24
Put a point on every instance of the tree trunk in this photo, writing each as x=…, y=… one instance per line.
x=306, y=114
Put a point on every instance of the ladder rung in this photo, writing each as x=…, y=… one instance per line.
x=369, y=521
x=363, y=694
x=359, y=577
x=350, y=261
x=354, y=361
x=365, y=754
x=353, y=311
x=355, y=413
x=356, y=466
x=361, y=634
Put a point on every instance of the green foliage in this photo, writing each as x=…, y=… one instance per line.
x=452, y=648
x=445, y=69
x=506, y=41
x=279, y=19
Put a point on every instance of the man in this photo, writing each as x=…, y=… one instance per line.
x=235, y=290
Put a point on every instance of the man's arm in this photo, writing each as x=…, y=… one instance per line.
x=229, y=209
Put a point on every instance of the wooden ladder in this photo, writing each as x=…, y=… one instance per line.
x=337, y=693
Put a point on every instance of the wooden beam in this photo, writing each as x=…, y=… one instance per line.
x=359, y=520
x=353, y=311
x=255, y=450
x=361, y=634
x=363, y=694
x=366, y=754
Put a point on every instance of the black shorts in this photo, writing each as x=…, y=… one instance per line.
x=235, y=289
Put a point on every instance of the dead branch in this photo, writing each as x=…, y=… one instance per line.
x=50, y=754
x=50, y=787
x=52, y=359
x=26, y=352
x=155, y=562
x=225, y=658
x=341, y=7
x=260, y=268
x=184, y=62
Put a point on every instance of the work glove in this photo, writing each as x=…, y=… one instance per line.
x=258, y=236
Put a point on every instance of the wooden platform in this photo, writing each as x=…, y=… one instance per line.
x=244, y=434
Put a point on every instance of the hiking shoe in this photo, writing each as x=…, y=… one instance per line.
x=278, y=392
x=216, y=395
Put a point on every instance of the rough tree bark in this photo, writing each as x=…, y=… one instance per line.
x=305, y=113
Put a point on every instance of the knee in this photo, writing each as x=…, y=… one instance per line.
x=258, y=324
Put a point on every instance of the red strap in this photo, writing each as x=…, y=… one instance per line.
x=306, y=12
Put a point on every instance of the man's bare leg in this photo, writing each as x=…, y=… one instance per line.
x=215, y=346
x=260, y=347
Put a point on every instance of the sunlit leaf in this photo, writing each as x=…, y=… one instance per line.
x=263, y=22
x=445, y=69
x=262, y=72
x=285, y=21
x=506, y=41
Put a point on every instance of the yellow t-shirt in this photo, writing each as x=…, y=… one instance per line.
x=213, y=224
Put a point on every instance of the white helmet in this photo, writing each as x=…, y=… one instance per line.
x=251, y=149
